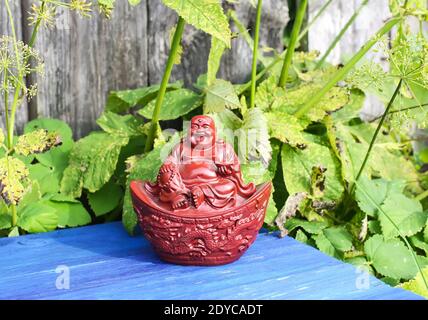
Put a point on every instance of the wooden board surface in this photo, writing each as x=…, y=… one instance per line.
x=105, y=263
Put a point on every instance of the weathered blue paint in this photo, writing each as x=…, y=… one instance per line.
x=105, y=263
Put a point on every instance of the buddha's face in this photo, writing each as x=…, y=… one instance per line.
x=202, y=132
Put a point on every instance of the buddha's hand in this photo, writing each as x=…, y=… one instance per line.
x=168, y=167
x=224, y=169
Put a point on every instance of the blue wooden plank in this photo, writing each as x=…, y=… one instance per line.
x=105, y=263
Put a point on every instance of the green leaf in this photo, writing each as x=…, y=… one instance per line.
x=206, y=15
x=377, y=188
x=52, y=125
x=5, y=221
x=48, y=180
x=134, y=2
x=419, y=242
x=70, y=214
x=113, y=123
x=268, y=92
x=221, y=95
x=325, y=245
x=405, y=213
x=38, y=141
x=106, y=199
x=32, y=194
x=13, y=176
x=175, y=104
x=390, y=258
x=214, y=59
x=121, y=101
x=286, y=128
x=253, y=137
x=297, y=168
x=56, y=158
x=339, y=237
x=92, y=162
x=226, y=123
x=37, y=217
x=312, y=227
x=417, y=285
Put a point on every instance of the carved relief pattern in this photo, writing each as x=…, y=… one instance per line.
x=218, y=239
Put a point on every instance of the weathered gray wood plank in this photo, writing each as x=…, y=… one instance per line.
x=324, y=31
x=236, y=64
x=87, y=58
x=335, y=17
x=5, y=29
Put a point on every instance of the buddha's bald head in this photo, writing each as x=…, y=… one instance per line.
x=202, y=131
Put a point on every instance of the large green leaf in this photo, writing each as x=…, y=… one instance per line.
x=298, y=164
x=214, y=59
x=52, y=125
x=37, y=141
x=175, y=104
x=407, y=214
x=339, y=237
x=221, y=95
x=206, y=15
x=106, y=199
x=47, y=178
x=121, y=101
x=70, y=214
x=92, y=162
x=390, y=258
x=37, y=217
x=313, y=227
x=117, y=124
x=286, y=128
x=253, y=137
x=57, y=158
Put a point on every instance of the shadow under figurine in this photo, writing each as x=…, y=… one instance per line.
x=199, y=211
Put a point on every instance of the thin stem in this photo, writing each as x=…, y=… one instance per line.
x=422, y=196
x=165, y=79
x=403, y=110
x=36, y=27
x=379, y=126
x=341, y=73
x=341, y=34
x=293, y=40
x=14, y=215
x=318, y=14
x=255, y=53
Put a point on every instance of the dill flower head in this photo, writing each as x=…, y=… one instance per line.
x=15, y=58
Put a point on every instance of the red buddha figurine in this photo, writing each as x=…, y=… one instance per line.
x=199, y=211
x=201, y=170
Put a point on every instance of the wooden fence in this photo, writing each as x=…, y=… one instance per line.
x=87, y=58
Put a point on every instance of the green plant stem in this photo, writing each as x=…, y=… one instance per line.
x=14, y=215
x=292, y=45
x=404, y=110
x=255, y=53
x=165, y=79
x=341, y=73
x=422, y=196
x=36, y=27
x=379, y=127
x=341, y=34
x=317, y=15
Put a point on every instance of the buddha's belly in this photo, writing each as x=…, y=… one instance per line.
x=198, y=172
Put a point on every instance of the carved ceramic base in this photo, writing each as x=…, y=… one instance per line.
x=201, y=238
